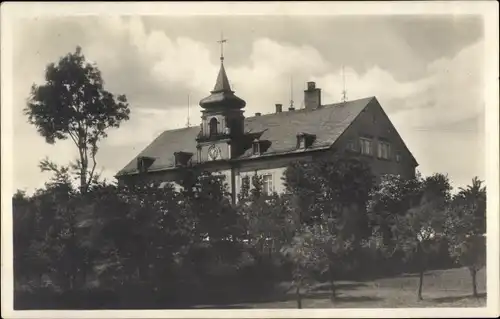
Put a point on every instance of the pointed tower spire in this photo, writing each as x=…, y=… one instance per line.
x=222, y=96
x=222, y=83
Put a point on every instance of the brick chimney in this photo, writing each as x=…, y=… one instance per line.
x=312, y=96
x=258, y=114
x=279, y=108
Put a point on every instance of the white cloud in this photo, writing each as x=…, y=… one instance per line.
x=451, y=92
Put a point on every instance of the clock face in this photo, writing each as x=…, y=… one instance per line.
x=213, y=152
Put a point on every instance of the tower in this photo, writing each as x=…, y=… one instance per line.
x=222, y=120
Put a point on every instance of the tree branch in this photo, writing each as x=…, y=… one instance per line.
x=73, y=138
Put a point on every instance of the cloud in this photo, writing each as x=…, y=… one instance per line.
x=157, y=68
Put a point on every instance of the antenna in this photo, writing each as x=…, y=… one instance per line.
x=291, y=91
x=344, y=92
x=188, y=124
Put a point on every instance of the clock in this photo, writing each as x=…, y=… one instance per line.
x=214, y=152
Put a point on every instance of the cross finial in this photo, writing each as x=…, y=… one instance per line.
x=222, y=41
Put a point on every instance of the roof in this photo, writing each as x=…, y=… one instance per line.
x=222, y=96
x=222, y=83
x=280, y=129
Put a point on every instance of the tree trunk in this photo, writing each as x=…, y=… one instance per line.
x=299, y=297
x=473, y=273
x=420, y=284
x=421, y=267
x=332, y=283
x=83, y=167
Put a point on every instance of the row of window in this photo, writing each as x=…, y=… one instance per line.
x=267, y=183
x=366, y=148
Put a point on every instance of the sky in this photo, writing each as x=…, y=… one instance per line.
x=426, y=71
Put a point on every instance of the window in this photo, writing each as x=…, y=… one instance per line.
x=384, y=150
x=398, y=157
x=213, y=126
x=305, y=140
x=256, y=147
x=143, y=163
x=366, y=146
x=301, y=141
x=351, y=146
x=267, y=184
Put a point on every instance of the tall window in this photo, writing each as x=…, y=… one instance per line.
x=398, y=157
x=256, y=147
x=213, y=126
x=267, y=184
x=351, y=146
x=384, y=150
x=366, y=146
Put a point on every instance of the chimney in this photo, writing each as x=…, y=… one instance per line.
x=312, y=96
x=291, y=108
x=279, y=108
x=258, y=114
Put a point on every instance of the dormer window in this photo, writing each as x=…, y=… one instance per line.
x=143, y=163
x=182, y=159
x=256, y=147
x=301, y=141
x=305, y=140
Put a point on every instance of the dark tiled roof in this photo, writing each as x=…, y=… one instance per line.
x=281, y=129
x=222, y=96
x=222, y=83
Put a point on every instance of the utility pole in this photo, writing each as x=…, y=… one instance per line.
x=188, y=124
x=344, y=92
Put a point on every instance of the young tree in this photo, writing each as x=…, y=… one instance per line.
x=73, y=103
x=465, y=229
x=332, y=249
x=330, y=196
x=303, y=255
x=416, y=232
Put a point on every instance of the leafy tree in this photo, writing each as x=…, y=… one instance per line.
x=23, y=221
x=326, y=186
x=269, y=223
x=54, y=248
x=257, y=186
x=332, y=194
x=332, y=248
x=302, y=253
x=465, y=228
x=393, y=196
x=416, y=231
x=474, y=197
x=73, y=103
x=414, y=234
x=244, y=193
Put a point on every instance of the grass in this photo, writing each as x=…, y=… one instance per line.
x=442, y=288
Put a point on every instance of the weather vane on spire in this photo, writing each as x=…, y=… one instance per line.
x=222, y=41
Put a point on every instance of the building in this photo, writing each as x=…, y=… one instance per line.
x=236, y=146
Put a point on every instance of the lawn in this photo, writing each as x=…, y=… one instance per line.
x=442, y=288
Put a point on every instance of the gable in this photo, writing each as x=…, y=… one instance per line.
x=373, y=122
